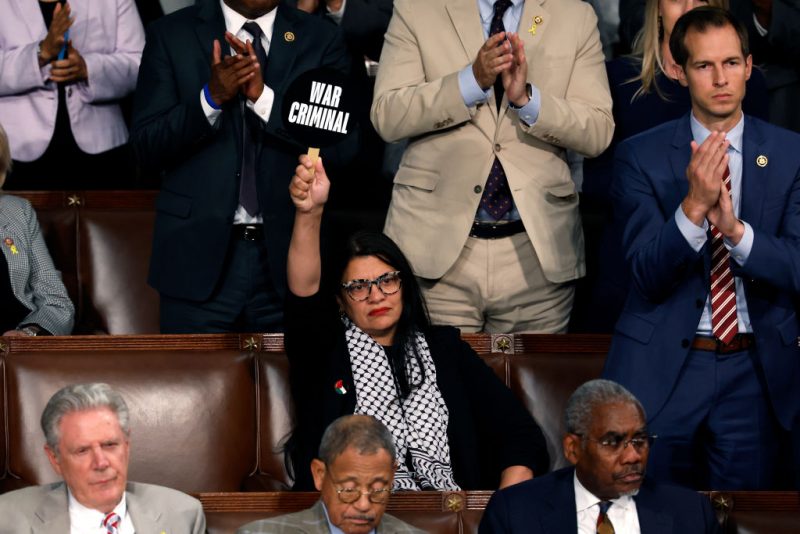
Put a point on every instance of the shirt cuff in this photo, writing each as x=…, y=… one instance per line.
x=336, y=15
x=695, y=235
x=211, y=114
x=530, y=111
x=762, y=31
x=741, y=252
x=263, y=106
x=471, y=92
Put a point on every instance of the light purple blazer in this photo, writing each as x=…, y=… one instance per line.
x=109, y=36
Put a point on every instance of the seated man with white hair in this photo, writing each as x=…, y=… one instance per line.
x=87, y=431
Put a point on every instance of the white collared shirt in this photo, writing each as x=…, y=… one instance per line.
x=234, y=23
x=83, y=520
x=622, y=513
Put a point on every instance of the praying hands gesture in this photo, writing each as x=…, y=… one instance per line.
x=54, y=40
x=233, y=73
x=708, y=197
x=515, y=77
x=254, y=85
x=71, y=69
x=493, y=58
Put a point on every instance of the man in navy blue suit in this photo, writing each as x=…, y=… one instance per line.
x=606, y=491
x=208, y=115
x=708, y=339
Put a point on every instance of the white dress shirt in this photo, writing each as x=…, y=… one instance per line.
x=234, y=23
x=697, y=236
x=84, y=520
x=622, y=513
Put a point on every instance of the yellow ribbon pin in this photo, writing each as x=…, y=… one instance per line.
x=10, y=244
x=536, y=21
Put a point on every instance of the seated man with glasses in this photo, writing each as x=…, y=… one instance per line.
x=606, y=491
x=353, y=474
x=359, y=340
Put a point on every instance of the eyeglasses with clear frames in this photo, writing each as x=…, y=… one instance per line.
x=616, y=444
x=351, y=495
x=388, y=284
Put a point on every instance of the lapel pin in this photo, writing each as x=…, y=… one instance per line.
x=762, y=160
x=536, y=21
x=288, y=37
x=339, y=387
x=10, y=244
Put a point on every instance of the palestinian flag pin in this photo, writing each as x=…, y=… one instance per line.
x=339, y=387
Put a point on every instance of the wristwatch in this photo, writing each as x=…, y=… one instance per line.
x=530, y=95
x=31, y=330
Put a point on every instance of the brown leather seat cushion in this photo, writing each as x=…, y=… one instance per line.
x=193, y=413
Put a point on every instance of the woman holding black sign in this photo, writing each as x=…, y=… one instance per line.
x=379, y=356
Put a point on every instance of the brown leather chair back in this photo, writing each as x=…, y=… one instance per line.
x=4, y=435
x=58, y=220
x=193, y=413
x=114, y=257
x=276, y=417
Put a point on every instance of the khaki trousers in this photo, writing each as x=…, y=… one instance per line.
x=497, y=286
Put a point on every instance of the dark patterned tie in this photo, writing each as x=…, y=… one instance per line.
x=111, y=523
x=496, y=199
x=724, y=323
x=248, y=194
x=497, y=26
x=604, y=525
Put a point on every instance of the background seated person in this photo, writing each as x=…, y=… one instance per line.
x=33, y=300
x=455, y=425
x=87, y=432
x=353, y=474
x=606, y=491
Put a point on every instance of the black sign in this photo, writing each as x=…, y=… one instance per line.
x=318, y=107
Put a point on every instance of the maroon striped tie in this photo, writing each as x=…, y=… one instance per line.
x=723, y=290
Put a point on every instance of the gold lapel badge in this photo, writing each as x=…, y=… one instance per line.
x=10, y=244
x=536, y=21
x=762, y=160
x=288, y=37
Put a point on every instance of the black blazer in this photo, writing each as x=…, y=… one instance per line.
x=488, y=430
x=200, y=164
x=546, y=505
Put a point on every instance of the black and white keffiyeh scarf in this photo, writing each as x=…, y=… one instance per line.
x=417, y=423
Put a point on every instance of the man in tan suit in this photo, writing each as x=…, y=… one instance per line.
x=86, y=426
x=483, y=203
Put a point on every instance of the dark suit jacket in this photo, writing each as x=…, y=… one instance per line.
x=488, y=429
x=546, y=505
x=201, y=163
x=670, y=280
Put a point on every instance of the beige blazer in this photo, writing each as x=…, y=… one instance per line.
x=153, y=510
x=438, y=187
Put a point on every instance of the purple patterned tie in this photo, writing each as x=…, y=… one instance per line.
x=496, y=199
x=248, y=194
